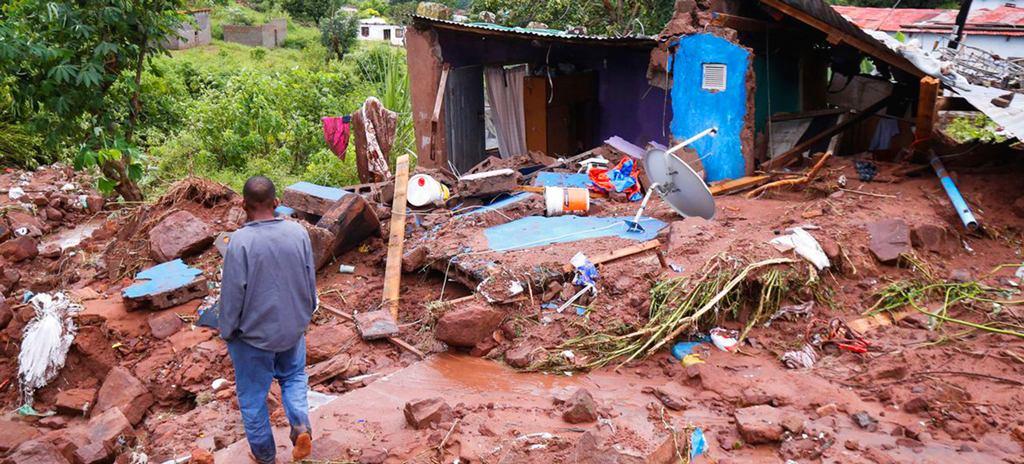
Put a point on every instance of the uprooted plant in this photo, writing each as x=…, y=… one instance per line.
x=723, y=288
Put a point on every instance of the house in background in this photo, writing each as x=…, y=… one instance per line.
x=995, y=27
x=379, y=29
x=193, y=32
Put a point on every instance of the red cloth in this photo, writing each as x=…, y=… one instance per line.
x=336, y=134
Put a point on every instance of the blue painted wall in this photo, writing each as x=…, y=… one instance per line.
x=695, y=109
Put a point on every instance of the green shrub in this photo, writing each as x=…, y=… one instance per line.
x=258, y=53
x=980, y=128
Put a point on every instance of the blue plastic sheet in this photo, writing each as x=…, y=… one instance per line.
x=680, y=350
x=160, y=278
x=698, y=443
x=560, y=179
x=534, y=231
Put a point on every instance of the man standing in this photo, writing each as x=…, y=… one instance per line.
x=268, y=294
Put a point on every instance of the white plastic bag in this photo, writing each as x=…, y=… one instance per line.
x=46, y=341
x=805, y=246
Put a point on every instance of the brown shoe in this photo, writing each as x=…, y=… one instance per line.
x=303, y=445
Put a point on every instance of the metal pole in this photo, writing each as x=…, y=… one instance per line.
x=954, y=195
x=961, y=23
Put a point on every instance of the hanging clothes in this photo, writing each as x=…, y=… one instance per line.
x=505, y=95
x=374, y=127
x=336, y=133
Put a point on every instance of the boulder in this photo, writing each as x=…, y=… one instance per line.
x=95, y=203
x=19, y=220
x=35, y=452
x=14, y=434
x=108, y=430
x=759, y=424
x=580, y=408
x=469, y=325
x=165, y=325
x=75, y=402
x=53, y=214
x=178, y=235
x=123, y=391
x=935, y=238
x=890, y=238
x=350, y=220
x=420, y=414
x=19, y=249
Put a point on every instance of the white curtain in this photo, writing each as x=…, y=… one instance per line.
x=505, y=95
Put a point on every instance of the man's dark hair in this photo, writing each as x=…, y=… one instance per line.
x=259, y=191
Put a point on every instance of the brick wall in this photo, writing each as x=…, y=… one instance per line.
x=269, y=35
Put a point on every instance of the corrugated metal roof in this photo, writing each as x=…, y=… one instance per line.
x=885, y=19
x=1009, y=19
x=527, y=33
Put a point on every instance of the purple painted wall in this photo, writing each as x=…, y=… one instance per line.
x=630, y=108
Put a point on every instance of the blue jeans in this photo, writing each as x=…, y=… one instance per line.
x=255, y=369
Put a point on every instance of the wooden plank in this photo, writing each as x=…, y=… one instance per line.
x=790, y=155
x=926, y=113
x=393, y=271
x=536, y=189
x=867, y=323
x=394, y=340
x=807, y=114
x=618, y=254
x=875, y=50
x=440, y=93
x=738, y=184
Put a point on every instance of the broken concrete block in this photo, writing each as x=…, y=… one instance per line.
x=178, y=235
x=19, y=249
x=890, y=238
x=124, y=392
x=414, y=259
x=935, y=238
x=488, y=183
x=320, y=240
x=311, y=199
x=350, y=220
x=325, y=341
x=759, y=424
x=166, y=285
x=75, y=402
x=420, y=414
x=469, y=325
x=375, y=325
x=580, y=408
x=165, y=325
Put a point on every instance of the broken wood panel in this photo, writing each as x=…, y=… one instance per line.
x=738, y=184
x=464, y=117
x=926, y=112
x=393, y=272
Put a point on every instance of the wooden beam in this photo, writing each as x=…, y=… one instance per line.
x=794, y=152
x=738, y=184
x=436, y=115
x=618, y=254
x=926, y=113
x=875, y=50
x=394, y=340
x=393, y=271
x=808, y=114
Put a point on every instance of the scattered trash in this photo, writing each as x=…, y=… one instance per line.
x=725, y=340
x=346, y=269
x=838, y=333
x=425, y=190
x=805, y=246
x=590, y=287
x=586, y=272
x=46, y=342
x=21, y=231
x=698, y=443
x=866, y=170
x=675, y=267
x=681, y=350
x=802, y=309
x=692, y=359
x=218, y=383
x=559, y=201
x=842, y=181
x=623, y=178
x=15, y=193
x=28, y=296
x=515, y=288
x=800, y=359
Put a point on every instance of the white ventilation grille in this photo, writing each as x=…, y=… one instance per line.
x=714, y=77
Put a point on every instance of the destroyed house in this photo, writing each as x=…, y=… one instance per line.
x=532, y=89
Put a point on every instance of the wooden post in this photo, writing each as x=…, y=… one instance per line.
x=393, y=272
x=926, y=113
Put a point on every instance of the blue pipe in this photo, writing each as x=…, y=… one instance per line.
x=954, y=195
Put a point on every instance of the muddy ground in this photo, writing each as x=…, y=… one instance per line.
x=929, y=393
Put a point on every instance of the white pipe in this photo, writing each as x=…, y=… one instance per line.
x=712, y=131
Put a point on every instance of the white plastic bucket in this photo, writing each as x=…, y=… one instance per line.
x=424, y=190
x=559, y=201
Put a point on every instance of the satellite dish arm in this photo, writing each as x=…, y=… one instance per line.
x=710, y=131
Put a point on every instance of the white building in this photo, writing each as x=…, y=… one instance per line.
x=379, y=29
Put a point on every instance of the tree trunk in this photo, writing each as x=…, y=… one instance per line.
x=117, y=171
x=135, y=107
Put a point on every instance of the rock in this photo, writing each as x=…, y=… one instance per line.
x=5, y=231
x=793, y=424
x=19, y=220
x=469, y=325
x=75, y=402
x=6, y=313
x=96, y=441
x=35, y=452
x=178, y=235
x=521, y=356
x=915, y=405
x=1018, y=434
x=201, y=456
x=961, y=275
x=235, y=217
x=375, y=325
x=325, y=341
x=580, y=408
x=666, y=399
x=759, y=424
x=94, y=203
x=123, y=391
x=890, y=238
x=91, y=453
x=14, y=434
x=488, y=183
x=864, y=421
x=420, y=414
x=54, y=422
x=350, y=220
x=851, y=444
x=51, y=251
x=53, y=214
x=553, y=290
x=1018, y=207
x=19, y=249
x=414, y=259
x=483, y=348
x=934, y=238
x=831, y=249
x=373, y=456
x=827, y=410
x=165, y=325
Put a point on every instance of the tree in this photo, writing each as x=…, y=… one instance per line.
x=61, y=59
x=338, y=34
x=604, y=17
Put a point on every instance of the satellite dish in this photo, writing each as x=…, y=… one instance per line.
x=678, y=185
